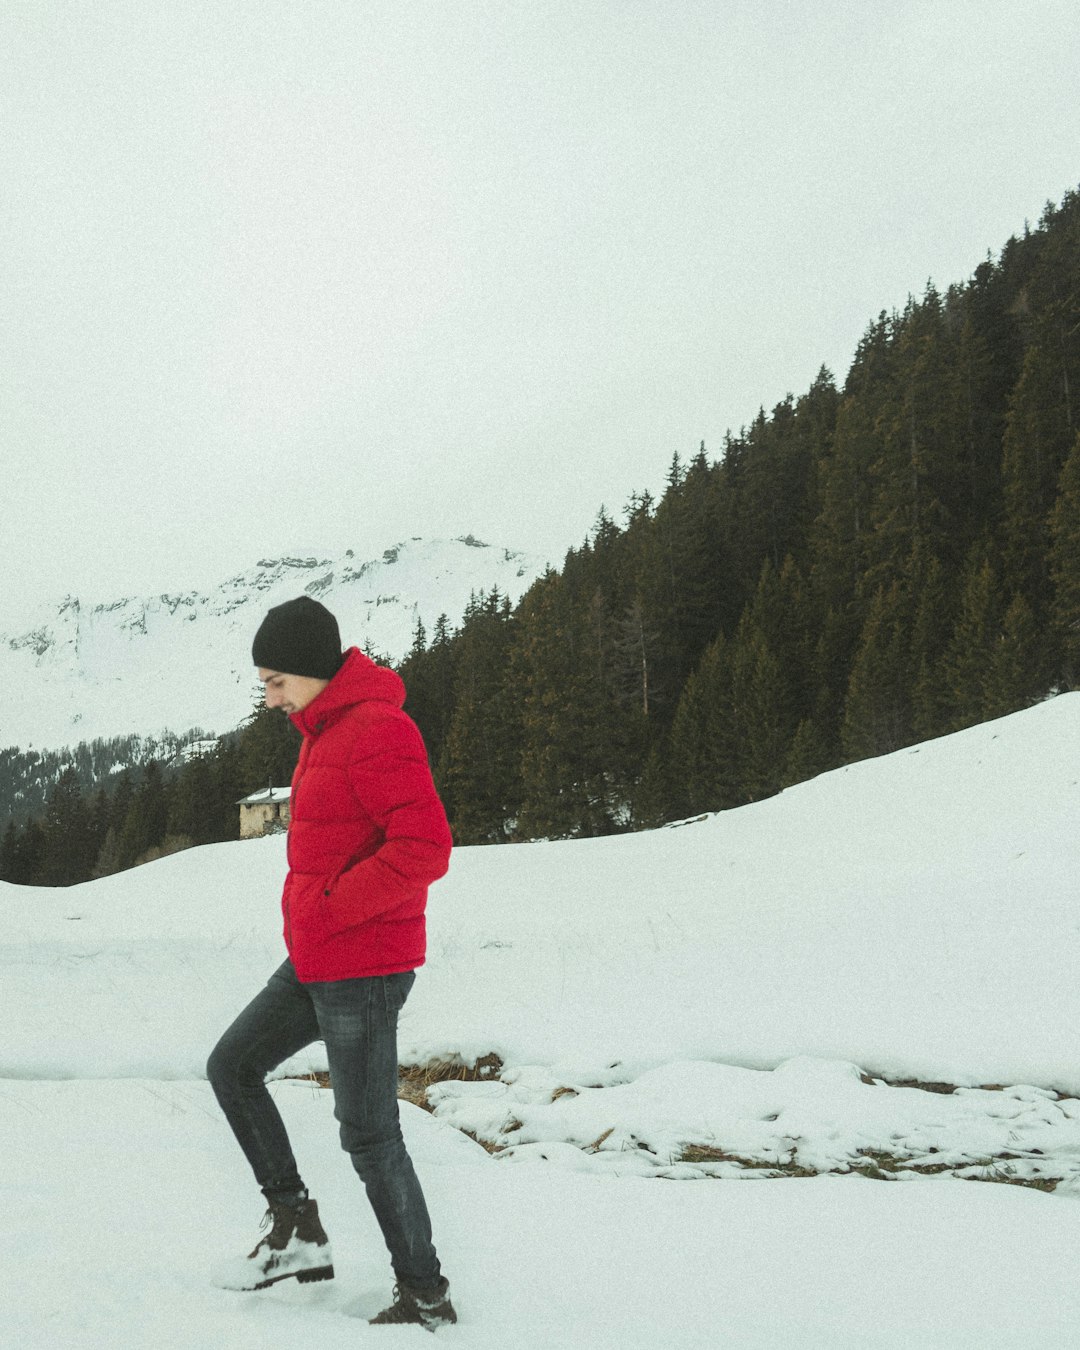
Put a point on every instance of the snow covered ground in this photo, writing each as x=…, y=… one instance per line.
x=675, y=1014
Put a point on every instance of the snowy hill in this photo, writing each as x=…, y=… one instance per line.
x=851, y=917
x=141, y=665
x=740, y=996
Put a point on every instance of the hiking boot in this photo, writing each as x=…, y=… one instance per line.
x=430, y=1308
x=295, y=1247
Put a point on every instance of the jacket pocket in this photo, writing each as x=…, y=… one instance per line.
x=308, y=912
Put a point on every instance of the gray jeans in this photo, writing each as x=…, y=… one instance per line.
x=358, y=1021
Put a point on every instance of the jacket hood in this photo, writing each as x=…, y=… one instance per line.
x=359, y=680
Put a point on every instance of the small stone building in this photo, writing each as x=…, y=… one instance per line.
x=265, y=812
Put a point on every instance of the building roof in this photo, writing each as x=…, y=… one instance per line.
x=266, y=796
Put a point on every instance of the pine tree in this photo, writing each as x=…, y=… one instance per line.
x=918, y=430
x=931, y=630
x=681, y=596
x=100, y=815
x=764, y=713
x=841, y=534
x=122, y=797
x=269, y=745
x=703, y=753
x=428, y=672
x=68, y=841
x=109, y=860
x=1033, y=458
x=480, y=768
x=651, y=796
x=985, y=373
x=569, y=718
x=229, y=787
x=782, y=611
x=1065, y=569
x=837, y=635
x=28, y=855
x=967, y=658
x=809, y=754
x=194, y=809
x=877, y=716
x=634, y=657
x=9, y=853
x=146, y=824
x=1015, y=678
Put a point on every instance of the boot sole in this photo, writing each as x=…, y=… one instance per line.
x=302, y=1276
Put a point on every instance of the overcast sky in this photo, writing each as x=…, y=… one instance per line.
x=283, y=275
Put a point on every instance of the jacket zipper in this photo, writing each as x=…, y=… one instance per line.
x=288, y=847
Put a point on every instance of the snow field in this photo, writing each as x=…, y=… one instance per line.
x=123, y=1194
x=725, y=998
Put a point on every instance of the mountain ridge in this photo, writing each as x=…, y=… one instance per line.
x=181, y=659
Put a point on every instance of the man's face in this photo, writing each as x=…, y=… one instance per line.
x=290, y=693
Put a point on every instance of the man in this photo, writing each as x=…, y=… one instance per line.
x=367, y=834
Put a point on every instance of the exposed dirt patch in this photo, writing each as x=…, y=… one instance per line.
x=947, y=1089
x=415, y=1079
x=706, y=1153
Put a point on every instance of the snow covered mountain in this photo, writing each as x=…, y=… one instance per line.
x=176, y=661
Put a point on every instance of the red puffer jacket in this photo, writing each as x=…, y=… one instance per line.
x=367, y=832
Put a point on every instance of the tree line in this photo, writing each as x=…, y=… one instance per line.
x=27, y=777
x=864, y=567
x=158, y=807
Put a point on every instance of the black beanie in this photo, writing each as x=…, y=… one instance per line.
x=299, y=637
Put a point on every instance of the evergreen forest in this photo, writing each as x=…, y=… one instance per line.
x=157, y=803
x=865, y=566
